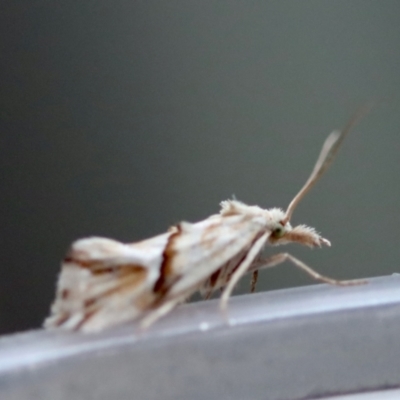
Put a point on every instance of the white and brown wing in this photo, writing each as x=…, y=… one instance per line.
x=104, y=282
x=197, y=251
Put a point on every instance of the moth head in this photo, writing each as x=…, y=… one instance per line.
x=282, y=231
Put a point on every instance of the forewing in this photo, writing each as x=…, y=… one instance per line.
x=196, y=251
x=104, y=282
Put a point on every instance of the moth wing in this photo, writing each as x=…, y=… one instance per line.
x=104, y=282
x=196, y=251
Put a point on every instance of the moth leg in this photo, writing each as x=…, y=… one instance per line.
x=254, y=278
x=158, y=313
x=241, y=270
x=281, y=257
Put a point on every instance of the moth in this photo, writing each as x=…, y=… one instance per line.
x=104, y=282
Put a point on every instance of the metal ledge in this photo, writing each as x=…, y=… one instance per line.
x=301, y=343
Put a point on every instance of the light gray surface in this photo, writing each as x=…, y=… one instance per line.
x=289, y=344
x=381, y=395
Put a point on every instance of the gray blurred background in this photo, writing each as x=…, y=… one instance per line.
x=120, y=118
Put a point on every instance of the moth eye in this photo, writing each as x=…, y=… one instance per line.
x=278, y=232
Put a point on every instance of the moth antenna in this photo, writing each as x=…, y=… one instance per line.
x=327, y=155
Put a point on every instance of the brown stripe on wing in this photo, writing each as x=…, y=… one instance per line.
x=210, y=283
x=97, y=267
x=208, y=238
x=122, y=270
x=60, y=319
x=166, y=270
x=128, y=283
x=85, y=264
x=220, y=278
x=85, y=319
